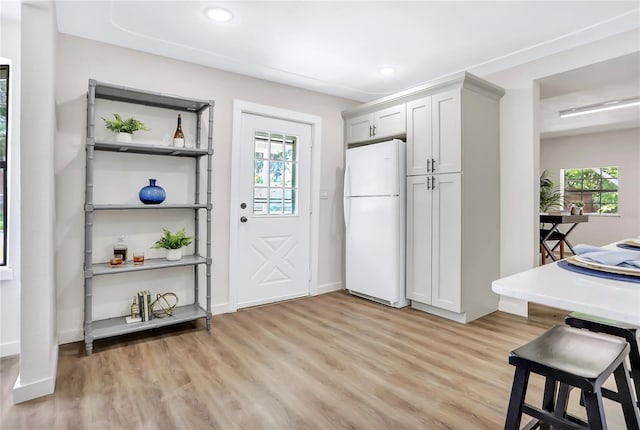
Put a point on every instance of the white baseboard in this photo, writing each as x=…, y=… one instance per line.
x=330, y=287
x=513, y=306
x=222, y=308
x=10, y=348
x=24, y=392
x=70, y=336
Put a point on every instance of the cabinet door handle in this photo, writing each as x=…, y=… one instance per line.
x=374, y=130
x=433, y=165
x=370, y=131
x=433, y=183
x=428, y=187
x=428, y=161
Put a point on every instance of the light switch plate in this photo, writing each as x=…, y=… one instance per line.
x=324, y=194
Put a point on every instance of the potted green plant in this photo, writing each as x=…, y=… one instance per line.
x=124, y=128
x=550, y=195
x=173, y=243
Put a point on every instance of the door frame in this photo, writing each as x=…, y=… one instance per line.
x=241, y=107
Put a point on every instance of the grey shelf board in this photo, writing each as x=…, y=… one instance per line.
x=138, y=148
x=117, y=326
x=149, y=264
x=143, y=206
x=148, y=98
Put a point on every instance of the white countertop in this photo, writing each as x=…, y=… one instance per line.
x=554, y=286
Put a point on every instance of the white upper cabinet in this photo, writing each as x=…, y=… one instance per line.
x=419, y=137
x=434, y=134
x=447, y=132
x=377, y=125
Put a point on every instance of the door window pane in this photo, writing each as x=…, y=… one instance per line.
x=275, y=171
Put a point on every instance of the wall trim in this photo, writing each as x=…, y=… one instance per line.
x=330, y=287
x=43, y=387
x=10, y=348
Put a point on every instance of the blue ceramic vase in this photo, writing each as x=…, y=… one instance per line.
x=152, y=194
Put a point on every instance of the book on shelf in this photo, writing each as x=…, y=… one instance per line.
x=144, y=299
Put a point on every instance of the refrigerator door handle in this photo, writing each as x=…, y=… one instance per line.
x=347, y=212
x=346, y=186
x=346, y=190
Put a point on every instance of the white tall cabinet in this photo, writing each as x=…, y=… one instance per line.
x=453, y=194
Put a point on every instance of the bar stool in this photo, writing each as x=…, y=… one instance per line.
x=577, y=358
x=615, y=328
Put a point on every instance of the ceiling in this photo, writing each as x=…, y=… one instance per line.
x=338, y=47
x=615, y=79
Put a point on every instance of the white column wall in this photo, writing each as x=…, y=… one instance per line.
x=10, y=274
x=38, y=341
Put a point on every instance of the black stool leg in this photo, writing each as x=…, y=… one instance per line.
x=595, y=410
x=629, y=410
x=518, y=392
x=548, y=399
x=563, y=400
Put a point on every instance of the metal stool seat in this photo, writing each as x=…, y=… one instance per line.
x=576, y=358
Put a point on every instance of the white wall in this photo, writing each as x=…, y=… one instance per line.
x=520, y=146
x=38, y=341
x=80, y=59
x=10, y=274
x=615, y=148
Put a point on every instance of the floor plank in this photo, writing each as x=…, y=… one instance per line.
x=327, y=362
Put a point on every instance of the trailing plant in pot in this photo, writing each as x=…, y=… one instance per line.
x=124, y=128
x=550, y=195
x=173, y=243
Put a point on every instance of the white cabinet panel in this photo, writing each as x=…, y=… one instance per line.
x=419, y=136
x=359, y=128
x=446, y=290
x=419, y=239
x=433, y=240
x=447, y=132
x=388, y=122
x=434, y=134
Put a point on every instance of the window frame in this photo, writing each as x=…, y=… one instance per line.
x=5, y=74
x=591, y=191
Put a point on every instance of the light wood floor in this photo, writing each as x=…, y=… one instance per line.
x=328, y=362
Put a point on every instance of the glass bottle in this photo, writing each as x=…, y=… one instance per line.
x=120, y=248
x=178, y=136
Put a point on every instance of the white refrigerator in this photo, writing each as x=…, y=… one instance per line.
x=374, y=216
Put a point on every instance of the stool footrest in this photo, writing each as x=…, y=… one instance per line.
x=564, y=423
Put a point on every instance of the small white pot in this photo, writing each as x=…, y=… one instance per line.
x=124, y=137
x=174, y=254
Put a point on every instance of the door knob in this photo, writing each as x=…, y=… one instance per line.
x=243, y=219
x=243, y=205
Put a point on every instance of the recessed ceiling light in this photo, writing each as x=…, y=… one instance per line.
x=387, y=71
x=218, y=14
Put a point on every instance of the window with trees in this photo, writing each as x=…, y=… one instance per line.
x=596, y=187
x=4, y=115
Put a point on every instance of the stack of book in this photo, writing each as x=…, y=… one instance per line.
x=144, y=302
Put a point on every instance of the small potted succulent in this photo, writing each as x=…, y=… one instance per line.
x=173, y=243
x=124, y=128
x=577, y=207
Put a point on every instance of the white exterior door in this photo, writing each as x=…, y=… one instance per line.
x=272, y=257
